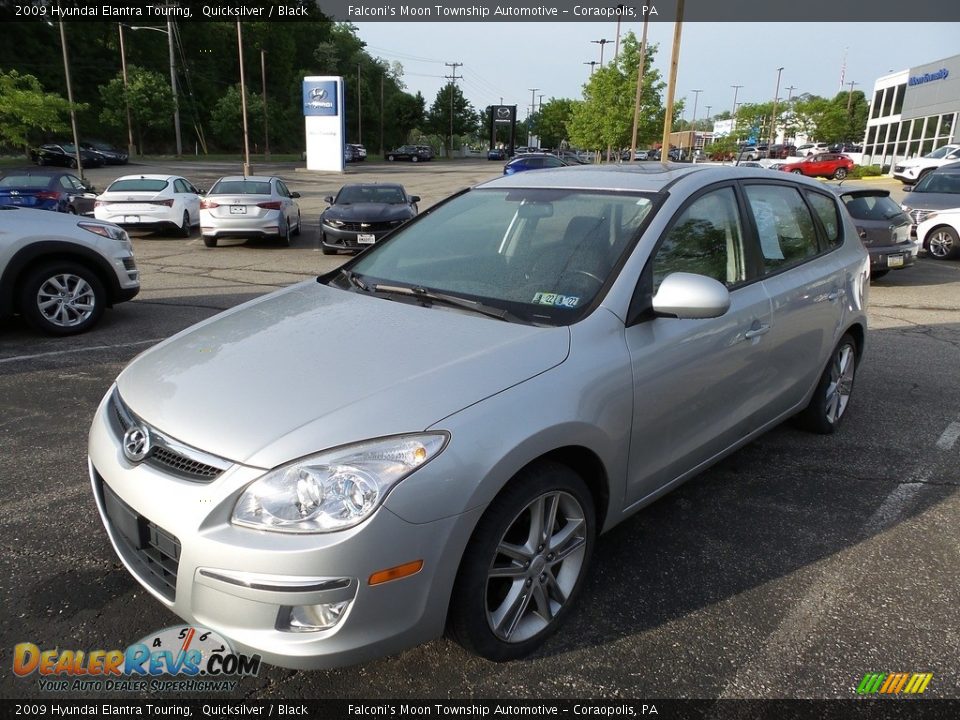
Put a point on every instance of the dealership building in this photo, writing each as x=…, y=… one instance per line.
x=913, y=112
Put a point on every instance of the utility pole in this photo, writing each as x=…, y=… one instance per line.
x=381, y=114
x=850, y=95
x=616, y=47
x=773, y=116
x=359, y=115
x=672, y=85
x=243, y=103
x=73, y=112
x=453, y=84
x=173, y=85
x=592, y=64
x=126, y=99
x=263, y=77
x=790, y=92
x=736, y=89
x=601, y=42
x=693, y=123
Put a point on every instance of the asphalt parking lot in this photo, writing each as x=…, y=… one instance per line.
x=790, y=569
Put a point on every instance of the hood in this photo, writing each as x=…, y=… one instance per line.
x=312, y=367
x=368, y=212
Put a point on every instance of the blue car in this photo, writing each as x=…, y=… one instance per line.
x=42, y=189
x=533, y=161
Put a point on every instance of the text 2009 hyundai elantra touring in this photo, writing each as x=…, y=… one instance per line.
x=433, y=435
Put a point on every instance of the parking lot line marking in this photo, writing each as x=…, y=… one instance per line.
x=949, y=437
x=52, y=353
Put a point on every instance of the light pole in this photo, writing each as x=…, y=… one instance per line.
x=601, y=42
x=73, y=112
x=850, y=95
x=616, y=47
x=533, y=109
x=263, y=77
x=693, y=123
x=773, y=116
x=672, y=84
x=592, y=64
x=173, y=78
x=243, y=104
x=126, y=99
x=636, y=100
x=736, y=89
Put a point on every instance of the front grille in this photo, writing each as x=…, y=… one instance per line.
x=152, y=552
x=166, y=455
x=367, y=227
x=898, y=168
x=129, y=263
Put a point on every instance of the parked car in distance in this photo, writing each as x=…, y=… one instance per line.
x=46, y=189
x=413, y=153
x=781, y=151
x=360, y=151
x=256, y=206
x=812, y=148
x=509, y=375
x=497, y=154
x=936, y=192
x=533, y=161
x=151, y=202
x=364, y=213
x=110, y=154
x=828, y=165
x=350, y=154
x=939, y=233
x=60, y=272
x=845, y=147
x=749, y=153
x=65, y=155
x=883, y=227
x=913, y=170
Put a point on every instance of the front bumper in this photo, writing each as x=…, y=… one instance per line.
x=340, y=239
x=906, y=175
x=242, y=582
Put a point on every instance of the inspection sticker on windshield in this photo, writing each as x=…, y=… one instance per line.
x=555, y=299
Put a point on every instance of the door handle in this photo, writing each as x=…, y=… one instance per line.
x=757, y=332
x=833, y=295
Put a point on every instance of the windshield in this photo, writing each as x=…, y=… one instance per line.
x=942, y=152
x=543, y=255
x=137, y=185
x=872, y=207
x=939, y=182
x=240, y=187
x=370, y=194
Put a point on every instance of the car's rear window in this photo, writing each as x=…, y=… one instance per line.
x=138, y=185
x=33, y=182
x=240, y=187
x=871, y=207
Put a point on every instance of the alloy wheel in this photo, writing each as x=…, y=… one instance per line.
x=66, y=300
x=840, y=385
x=941, y=243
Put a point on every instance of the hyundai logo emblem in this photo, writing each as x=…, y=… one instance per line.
x=318, y=94
x=136, y=444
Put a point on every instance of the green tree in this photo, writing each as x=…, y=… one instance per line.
x=25, y=109
x=552, y=121
x=150, y=99
x=441, y=120
x=226, y=119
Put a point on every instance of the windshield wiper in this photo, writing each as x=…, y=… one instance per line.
x=354, y=280
x=430, y=296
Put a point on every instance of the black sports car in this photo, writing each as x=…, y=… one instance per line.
x=65, y=155
x=362, y=214
x=110, y=154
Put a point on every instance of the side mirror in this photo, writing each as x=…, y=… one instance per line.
x=201, y=191
x=689, y=297
x=294, y=195
x=328, y=199
x=414, y=198
x=90, y=188
x=907, y=188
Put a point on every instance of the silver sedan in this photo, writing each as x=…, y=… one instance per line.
x=252, y=206
x=433, y=435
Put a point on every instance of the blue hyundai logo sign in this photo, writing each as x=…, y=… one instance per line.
x=320, y=97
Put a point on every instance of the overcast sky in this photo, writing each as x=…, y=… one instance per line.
x=507, y=59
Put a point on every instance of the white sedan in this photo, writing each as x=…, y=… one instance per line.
x=150, y=202
x=939, y=233
x=252, y=206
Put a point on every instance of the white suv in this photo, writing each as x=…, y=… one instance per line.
x=909, y=172
x=60, y=272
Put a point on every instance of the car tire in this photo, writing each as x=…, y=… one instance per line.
x=73, y=163
x=504, y=606
x=209, y=241
x=71, y=210
x=284, y=236
x=839, y=173
x=414, y=159
x=390, y=158
x=797, y=172
x=830, y=400
x=62, y=298
x=296, y=230
x=877, y=274
x=185, y=229
x=943, y=243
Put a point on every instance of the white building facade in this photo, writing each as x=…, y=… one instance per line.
x=913, y=112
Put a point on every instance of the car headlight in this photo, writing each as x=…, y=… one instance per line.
x=334, y=223
x=336, y=489
x=108, y=231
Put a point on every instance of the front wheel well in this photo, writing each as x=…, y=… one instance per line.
x=24, y=272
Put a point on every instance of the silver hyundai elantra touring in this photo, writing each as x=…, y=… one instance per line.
x=432, y=436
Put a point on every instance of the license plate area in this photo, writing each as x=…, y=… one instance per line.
x=894, y=261
x=238, y=209
x=366, y=239
x=131, y=219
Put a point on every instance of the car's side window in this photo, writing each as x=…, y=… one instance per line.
x=282, y=189
x=65, y=182
x=706, y=239
x=784, y=225
x=826, y=210
x=180, y=186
